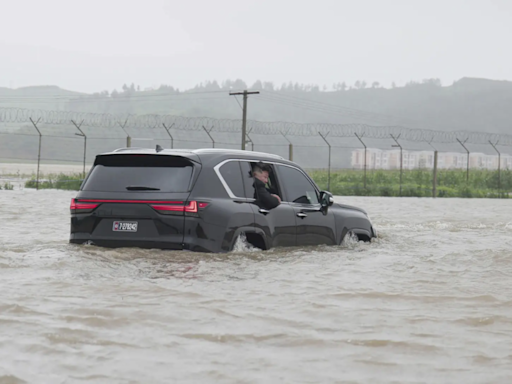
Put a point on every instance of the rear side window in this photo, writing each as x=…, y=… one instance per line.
x=147, y=173
x=230, y=172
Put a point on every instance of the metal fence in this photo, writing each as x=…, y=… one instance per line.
x=53, y=137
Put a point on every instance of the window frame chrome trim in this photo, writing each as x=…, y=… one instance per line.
x=233, y=196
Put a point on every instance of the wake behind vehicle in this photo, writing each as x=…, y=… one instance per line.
x=202, y=200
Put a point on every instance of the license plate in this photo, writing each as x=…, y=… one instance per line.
x=124, y=226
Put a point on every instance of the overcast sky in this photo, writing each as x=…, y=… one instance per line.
x=97, y=45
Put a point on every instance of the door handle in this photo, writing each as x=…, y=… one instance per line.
x=264, y=211
x=300, y=214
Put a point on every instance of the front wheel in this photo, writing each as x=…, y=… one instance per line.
x=350, y=238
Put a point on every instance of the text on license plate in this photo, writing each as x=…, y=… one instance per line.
x=124, y=226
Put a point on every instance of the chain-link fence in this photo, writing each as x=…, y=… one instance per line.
x=346, y=159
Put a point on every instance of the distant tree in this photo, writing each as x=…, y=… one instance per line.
x=165, y=88
x=213, y=86
x=393, y=85
x=138, y=88
x=125, y=88
x=114, y=93
x=132, y=87
x=434, y=82
x=375, y=84
x=343, y=86
x=239, y=84
x=357, y=84
x=268, y=86
x=227, y=84
x=411, y=83
x=363, y=84
x=325, y=88
x=257, y=85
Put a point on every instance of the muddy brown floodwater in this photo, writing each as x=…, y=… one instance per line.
x=430, y=301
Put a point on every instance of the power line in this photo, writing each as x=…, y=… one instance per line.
x=327, y=108
x=240, y=105
x=339, y=107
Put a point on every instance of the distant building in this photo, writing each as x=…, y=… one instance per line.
x=390, y=159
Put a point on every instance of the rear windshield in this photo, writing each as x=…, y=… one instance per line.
x=147, y=173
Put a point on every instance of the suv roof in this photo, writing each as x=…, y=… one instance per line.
x=201, y=151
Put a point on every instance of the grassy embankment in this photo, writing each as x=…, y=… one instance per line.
x=418, y=183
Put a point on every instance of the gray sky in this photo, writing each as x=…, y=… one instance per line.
x=100, y=44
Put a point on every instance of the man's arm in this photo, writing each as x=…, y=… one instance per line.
x=263, y=197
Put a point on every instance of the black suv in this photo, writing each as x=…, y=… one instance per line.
x=203, y=200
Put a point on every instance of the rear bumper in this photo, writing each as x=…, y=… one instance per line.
x=85, y=238
x=192, y=244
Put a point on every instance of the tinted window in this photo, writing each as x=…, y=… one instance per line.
x=247, y=179
x=231, y=174
x=297, y=187
x=157, y=173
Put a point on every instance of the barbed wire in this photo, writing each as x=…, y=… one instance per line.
x=153, y=121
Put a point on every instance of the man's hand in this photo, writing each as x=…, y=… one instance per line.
x=277, y=197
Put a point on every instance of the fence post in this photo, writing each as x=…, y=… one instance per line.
x=499, y=164
x=128, y=138
x=359, y=137
x=290, y=146
x=401, y=159
x=329, y=166
x=467, y=170
x=434, y=178
x=211, y=138
x=169, y=133
x=39, y=152
x=85, y=141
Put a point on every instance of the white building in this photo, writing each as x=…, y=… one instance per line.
x=390, y=159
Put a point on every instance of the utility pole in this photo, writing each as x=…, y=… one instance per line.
x=244, y=117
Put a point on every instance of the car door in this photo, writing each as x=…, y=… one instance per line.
x=314, y=226
x=278, y=223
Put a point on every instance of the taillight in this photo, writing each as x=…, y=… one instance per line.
x=191, y=207
x=78, y=207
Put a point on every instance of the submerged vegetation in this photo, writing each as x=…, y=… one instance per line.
x=7, y=186
x=415, y=183
x=70, y=182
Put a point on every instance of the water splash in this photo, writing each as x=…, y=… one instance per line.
x=242, y=245
x=350, y=240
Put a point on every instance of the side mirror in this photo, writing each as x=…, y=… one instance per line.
x=326, y=199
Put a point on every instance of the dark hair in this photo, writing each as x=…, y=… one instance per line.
x=261, y=166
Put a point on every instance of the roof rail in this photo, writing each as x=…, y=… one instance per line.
x=127, y=149
x=237, y=151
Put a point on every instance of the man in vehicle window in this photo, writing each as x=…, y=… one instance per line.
x=264, y=199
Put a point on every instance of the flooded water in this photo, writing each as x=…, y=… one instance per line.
x=429, y=302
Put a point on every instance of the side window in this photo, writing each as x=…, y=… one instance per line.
x=297, y=187
x=247, y=179
x=230, y=172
